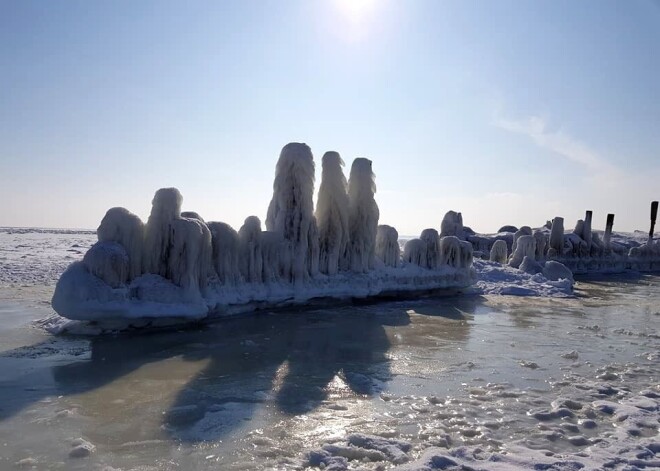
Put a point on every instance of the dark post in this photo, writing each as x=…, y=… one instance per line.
x=654, y=216
x=608, y=230
x=586, y=232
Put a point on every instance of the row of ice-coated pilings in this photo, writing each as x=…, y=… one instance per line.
x=299, y=243
x=583, y=251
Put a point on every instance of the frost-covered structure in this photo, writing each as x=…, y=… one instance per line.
x=363, y=217
x=414, y=252
x=109, y=262
x=165, y=208
x=189, y=256
x=225, y=252
x=525, y=247
x=387, y=246
x=432, y=239
x=126, y=229
x=179, y=266
x=249, y=250
x=452, y=225
x=498, y=252
x=332, y=214
x=291, y=210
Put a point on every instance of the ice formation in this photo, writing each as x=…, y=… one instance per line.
x=192, y=215
x=177, y=265
x=498, y=252
x=525, y=247
x=225, y=253
x=291, y=210
x=109, y=262
x=541, y=244
x=414, y=252
x=332, y=214
x=189, y=256
x=165, y=208
x=450, y=251
x=452, y=225
x=387, y=245
x=556, y=237
x=531, y=266
x=432, y=239
x=524, y=230
x=363, y=216
x=249, y=249
x=275, y=256
x=121, y=226
x=554, y=271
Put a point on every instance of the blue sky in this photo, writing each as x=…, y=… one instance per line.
x=511, y=112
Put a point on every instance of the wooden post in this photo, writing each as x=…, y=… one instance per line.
x=608, y=231
x=586, y=231
x=654, y=216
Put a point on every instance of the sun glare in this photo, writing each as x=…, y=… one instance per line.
x=356, y=11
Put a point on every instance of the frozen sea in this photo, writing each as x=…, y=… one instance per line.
x=469, y=382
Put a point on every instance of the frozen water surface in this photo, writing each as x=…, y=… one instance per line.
x=463, y=379
x=480, y=381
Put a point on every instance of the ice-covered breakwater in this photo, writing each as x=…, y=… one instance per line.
x=581, y=250
x=178, y=265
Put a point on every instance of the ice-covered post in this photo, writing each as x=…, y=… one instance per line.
x=557, y=236
x=608, y=231
x=332, y=213
x=363, y=216
x=291, y=211
x=654, y=216
x=586, y=231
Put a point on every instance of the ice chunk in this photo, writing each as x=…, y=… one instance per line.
x=554, y=271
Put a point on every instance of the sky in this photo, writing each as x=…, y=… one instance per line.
x=511, y=112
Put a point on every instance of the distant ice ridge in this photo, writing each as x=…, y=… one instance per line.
x=177, y=265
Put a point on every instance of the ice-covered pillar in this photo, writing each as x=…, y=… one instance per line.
x=291, y=211
x=586, y=231
x=332, y=213
x=608, y=231
x=165, y=208
x=654, y=216
x=363, y=216
x=452, y=225
x=557, y=236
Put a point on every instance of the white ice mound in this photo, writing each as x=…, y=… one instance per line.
x=178, y=266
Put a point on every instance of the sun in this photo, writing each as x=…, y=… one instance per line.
x=356, y=11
